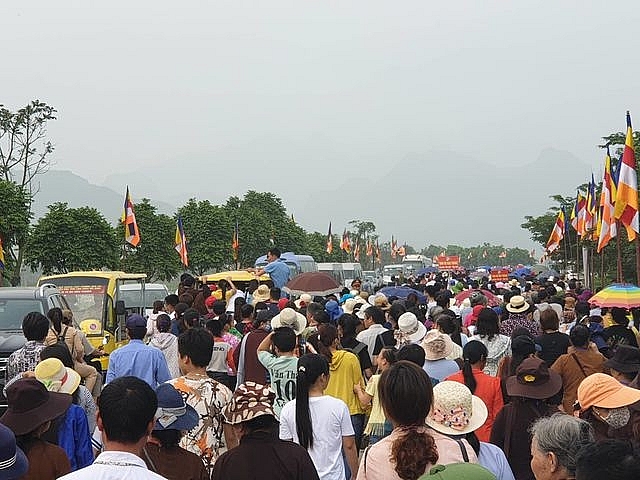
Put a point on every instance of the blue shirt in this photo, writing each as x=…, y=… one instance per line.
x=139, y=360
x=74, y=437
x=279, y=273
x=492, y=458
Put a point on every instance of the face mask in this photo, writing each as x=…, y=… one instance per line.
x=618, y=417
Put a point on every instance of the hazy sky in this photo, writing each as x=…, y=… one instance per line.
x=149, y=84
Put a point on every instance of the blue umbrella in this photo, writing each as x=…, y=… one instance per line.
x=425, y=270
x=547, y=274
x=522, y=271
x=402, y=292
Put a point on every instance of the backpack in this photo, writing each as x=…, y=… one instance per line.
x=61, y=336
x=356, y=350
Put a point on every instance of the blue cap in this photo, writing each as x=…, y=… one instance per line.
x=136, y=320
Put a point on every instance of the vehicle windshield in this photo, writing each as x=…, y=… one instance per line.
x=413, y=264
x=86, y=296
x=391, y=270
x=12, y=311
x=133, y=298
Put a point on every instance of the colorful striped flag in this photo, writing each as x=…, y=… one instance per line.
x=235, y=242
x=329, y=248
x=347, y=242
x=608, y=222
x=2, y=263
x=557, y=234
x=131, y=232
x=369, y=248
x=590, y=217
x=356, y=252
x=180, y=242
x=402, y=251
x=378, y=254
x=394, y=247
x=626, y=207
x=576, y=213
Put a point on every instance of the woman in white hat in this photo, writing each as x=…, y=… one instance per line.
x=455, y=416
x=438, y=347
x=410, y=330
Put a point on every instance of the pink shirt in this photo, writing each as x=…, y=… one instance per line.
x=380, y=467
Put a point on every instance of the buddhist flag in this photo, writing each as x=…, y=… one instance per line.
x=626, y=207
x=577, y=222
x=591, y=207
x=394, y=247
x=343, y=242
x=557, y=234
x=329, y=248
x=378, y=254
x=180, y=242
x=369, y=248
x=607, y=222
x=347, y=242
x=131, y=232
x=235, y=242
x=356, y=252
x=1, y=256
x=402, y=251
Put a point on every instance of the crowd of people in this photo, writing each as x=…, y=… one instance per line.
x=228, y=382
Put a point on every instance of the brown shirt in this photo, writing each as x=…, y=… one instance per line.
x=254, y=371
x=174, y=463
x=46, y=461
x=569, y=369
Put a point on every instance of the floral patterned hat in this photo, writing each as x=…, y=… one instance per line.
x=455, y=410
x=250, y=400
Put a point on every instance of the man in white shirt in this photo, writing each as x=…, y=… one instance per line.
x=373, y=319
x=126, y=416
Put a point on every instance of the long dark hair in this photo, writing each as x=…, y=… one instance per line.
x=472, y=353
x=487, y=324
x=406, y=396
x=310, y=367
x=450, y=326
x=327, y=335
x=55, y=315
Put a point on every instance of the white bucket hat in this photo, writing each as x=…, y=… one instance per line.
x=455, y=411
x=288, y=317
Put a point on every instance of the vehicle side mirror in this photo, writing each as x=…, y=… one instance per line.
x=120, y=310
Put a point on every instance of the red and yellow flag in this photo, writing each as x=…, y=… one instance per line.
x=626, y=205
x=557, y=234
x=329, y=248
x=235, y=242
x=131, y=232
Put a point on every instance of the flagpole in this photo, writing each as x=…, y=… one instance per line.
x=619, y=275
x=637, y=260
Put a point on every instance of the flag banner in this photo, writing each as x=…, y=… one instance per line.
x=2, y=261
x=356, y=252
x=626, y=205
x=329, y=247
x=394, y=247
x=500, y=275
x=181, y=243
x=449, y=262
x=378, y=254
x=557, y=234
x=402, y=251
x=369, y=248
x=576, y=214
x=503, y=254
x=131, y=232
x=235, y=242
x=607, y=224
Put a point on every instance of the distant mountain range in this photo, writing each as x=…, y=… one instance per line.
x=436, y=197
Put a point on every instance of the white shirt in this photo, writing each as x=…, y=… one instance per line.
x=331, y=421
x=368, y=337
x=113, y=465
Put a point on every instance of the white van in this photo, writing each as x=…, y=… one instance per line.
x=389, y=271
x=333, y=269
x=351, y=271
x=130, y=293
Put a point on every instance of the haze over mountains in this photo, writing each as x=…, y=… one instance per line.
x=437, y=197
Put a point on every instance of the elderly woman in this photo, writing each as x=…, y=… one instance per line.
x=555, y=444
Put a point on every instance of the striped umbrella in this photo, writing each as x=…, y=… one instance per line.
x=624, y=295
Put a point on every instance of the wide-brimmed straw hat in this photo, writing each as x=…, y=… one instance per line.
x=534, y=380
x=173, y=412
x=56, y=377
x=13, y=461
x=379, y=300
x=288, y=317
x=437, y=345
x=455, y=411
x=411, y=328
x=626, y=359
x=604, y=391
x=31, y=405
x=250, y=400
x=261, y=294
x=517, y=304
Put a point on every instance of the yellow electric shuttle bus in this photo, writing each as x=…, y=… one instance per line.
x=96, y=300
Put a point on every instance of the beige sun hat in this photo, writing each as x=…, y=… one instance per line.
x=262, y=294
x=455, y=411
x=288, y=317
x=437, y=345
x=56, y=377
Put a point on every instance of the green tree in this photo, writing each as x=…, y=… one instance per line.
x=155, y=255
x=263, y=223
x=208, y=231
x=67, y=239
x=24, y=155
x=14, y=227
x=315, y=244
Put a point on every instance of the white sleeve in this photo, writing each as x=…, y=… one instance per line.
x=345, y=420
x=286, y=426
